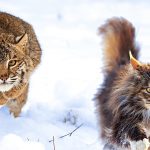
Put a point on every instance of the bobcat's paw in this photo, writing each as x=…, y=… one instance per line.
x=140, y=145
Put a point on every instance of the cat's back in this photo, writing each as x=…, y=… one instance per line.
x=118, y=38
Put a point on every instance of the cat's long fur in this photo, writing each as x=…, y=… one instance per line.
x=122, y=103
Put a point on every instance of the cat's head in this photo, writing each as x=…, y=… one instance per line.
x=141, y=79
x=14, y=62
x=131, y=89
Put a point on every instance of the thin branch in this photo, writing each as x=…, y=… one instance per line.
x=54, y=142
x=50, y=141
x=70, y=134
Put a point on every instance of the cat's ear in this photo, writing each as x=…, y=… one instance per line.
x=22, y=40
x=135, y=63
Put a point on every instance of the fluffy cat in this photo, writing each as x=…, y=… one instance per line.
x=123, y=101
x=20, y=53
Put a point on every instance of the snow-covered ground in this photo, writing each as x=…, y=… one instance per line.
x=63, y=86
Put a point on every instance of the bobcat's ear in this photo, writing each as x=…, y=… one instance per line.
x=22, y=40
x=135, y=63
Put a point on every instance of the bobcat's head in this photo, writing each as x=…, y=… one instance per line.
x=15, y=63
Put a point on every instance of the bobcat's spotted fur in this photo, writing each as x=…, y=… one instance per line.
x=20, y=53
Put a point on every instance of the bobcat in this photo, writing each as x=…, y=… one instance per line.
x=20, y=53
x=123, y=102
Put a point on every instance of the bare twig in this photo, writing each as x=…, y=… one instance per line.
x=70, y=134
x=50, y=141
x=54, y=142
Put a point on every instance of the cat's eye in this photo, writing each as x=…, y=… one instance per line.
x=148, y=90
x=12, y=63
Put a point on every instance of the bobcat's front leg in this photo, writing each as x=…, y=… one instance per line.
x=15, y=105
x=2, y=99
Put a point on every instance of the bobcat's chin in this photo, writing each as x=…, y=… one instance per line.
x=6, y=87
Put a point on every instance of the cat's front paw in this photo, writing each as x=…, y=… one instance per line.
x=140, y=145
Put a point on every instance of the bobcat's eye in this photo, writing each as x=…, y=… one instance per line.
x=12, y=63
x=148, y=90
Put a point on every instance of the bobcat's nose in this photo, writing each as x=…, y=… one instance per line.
x=4, y=77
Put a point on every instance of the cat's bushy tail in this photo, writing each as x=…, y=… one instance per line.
x=118, y=38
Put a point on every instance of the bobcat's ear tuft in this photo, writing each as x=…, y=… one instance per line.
x=135, y=63
x=22, y=40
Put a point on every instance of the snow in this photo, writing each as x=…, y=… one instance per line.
x=63, y=86
x=12, y=141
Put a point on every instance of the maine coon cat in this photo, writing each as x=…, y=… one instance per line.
x=20, y=53
x=123, y=101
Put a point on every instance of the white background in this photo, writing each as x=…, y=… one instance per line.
x=64, y=84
